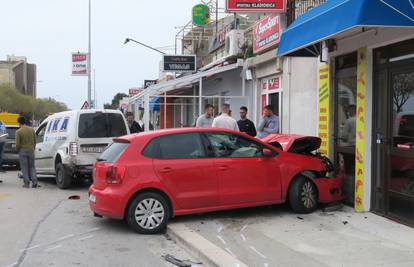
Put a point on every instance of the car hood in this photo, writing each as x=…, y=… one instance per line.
x=293, y=143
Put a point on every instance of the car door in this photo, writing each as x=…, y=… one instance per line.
x=245, y=175
x=182, y=166
x=40, y=151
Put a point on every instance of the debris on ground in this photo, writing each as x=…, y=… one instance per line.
x=181, y=263
x=300, y=218
x=74, y=197
x=336, y=206
x=345, y=222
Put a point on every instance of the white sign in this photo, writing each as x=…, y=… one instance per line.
x=85, y=105
x=79, y=64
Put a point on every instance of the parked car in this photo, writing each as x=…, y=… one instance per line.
x=148, y=178
x=68, y=143
x=10, y=155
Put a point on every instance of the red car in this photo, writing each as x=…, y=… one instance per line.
x=149, y=178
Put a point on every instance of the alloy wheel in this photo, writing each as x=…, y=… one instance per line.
x=308, y=195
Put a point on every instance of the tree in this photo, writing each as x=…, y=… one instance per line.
x=115, y=101
x=403, y=89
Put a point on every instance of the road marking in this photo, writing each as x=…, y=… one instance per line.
x=258, y=252
x=86, y=237
x=13, y=264
x=91, y=230
x=244, y=228
x=220, y=229
x=53, y=248
x=230, y=252
x=66, y=237
x=26, y=249
x=266, y=264
x=221, y=239
x=243, y=237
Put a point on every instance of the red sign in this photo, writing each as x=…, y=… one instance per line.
x=273, y=84
x=266, y=33
x=85, y=105
x=262, y=6
x=135, y=91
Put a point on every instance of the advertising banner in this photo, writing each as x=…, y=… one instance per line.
x=360, y=129
x=179, y=63
x=134, y=91
x=266, y=33
x=324, y=109
x=79, y=64
x=262, y=6
x=201, y=15
x=148, y=83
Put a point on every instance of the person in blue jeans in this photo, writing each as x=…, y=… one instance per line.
x=269, y=124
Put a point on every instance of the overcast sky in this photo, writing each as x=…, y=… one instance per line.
x=47, y=31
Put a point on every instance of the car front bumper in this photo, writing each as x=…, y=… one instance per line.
x=330, y=189
x=106, y=202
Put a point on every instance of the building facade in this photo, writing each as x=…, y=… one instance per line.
x=18, y=73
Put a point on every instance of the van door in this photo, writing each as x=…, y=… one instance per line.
x=40, y=152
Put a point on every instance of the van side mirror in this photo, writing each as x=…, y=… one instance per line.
x=267, y=153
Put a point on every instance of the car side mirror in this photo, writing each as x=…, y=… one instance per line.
x=267, y=153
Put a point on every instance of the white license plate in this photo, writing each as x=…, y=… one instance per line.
x=93, y=149
x=92, y=198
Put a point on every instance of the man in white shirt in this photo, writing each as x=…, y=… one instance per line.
x=224, y=120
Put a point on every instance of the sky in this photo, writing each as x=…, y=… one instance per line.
x=48, y=31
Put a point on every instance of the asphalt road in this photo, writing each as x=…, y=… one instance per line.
x=42, y=227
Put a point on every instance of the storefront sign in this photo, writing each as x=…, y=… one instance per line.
x=324, y=109
x=179, y=63
x=148, y=83
x=219, y=40
x=262, y=6
x=271, y=84
x=134, y=91
x=201, y=15
x=79, y=64
x=360, y=129
x=266, y=33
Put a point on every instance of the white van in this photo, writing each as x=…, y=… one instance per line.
x=68, y=143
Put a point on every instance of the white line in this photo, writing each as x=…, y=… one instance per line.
x=220, y=229
x=66, y=237
x=258, y=252
x=91, y=230
x=266, y=264
x=86, y=237
x=243, y=237
x=26, y=249
x=53, y=248
x=230, y=252
x=13, y=264
x=244, y=228
x=221, y=239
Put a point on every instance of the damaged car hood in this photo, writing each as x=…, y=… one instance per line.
x=293, y=143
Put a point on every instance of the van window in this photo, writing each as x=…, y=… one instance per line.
x=112, y=153
x=101, y=125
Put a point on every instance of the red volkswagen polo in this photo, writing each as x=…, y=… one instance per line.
x=149, y=178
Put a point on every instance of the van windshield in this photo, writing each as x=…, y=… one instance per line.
x=101, y=125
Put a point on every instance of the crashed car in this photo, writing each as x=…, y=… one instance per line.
x=148, y=178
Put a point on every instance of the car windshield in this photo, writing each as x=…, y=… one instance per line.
x=101, y=125
x=11, y=133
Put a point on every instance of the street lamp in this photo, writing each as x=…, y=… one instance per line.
x=127, y=40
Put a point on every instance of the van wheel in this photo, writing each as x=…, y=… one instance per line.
x=63, y=178
x=303, y=195
x=148, y=213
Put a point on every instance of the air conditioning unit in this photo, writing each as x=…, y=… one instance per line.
x=234, y=42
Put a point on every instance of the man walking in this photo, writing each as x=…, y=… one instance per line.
x=246, y=125
x=269, y=124
x=206, y=120
x=25, y=145
x=224, y=120
x=134, y=126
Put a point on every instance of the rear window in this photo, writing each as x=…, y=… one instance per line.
x=101, y=125
x=11, y=132
x=112, y=153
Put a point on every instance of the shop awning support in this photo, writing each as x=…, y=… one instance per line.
x=146, y=112
x=200, y=97
x=165, y=110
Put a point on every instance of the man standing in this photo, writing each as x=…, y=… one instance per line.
x=3, y=136
x=25, y=145
x=134, y=126
x=246, y=125
x=269, y=124
x=224, y=120
x=206, y=120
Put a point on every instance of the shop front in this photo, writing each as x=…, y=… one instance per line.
x=366, y=97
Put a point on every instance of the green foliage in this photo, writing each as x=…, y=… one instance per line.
x=12, y=101
x=115, y=101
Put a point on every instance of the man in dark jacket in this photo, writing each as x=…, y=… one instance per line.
x=246, y=125
x=132, y=124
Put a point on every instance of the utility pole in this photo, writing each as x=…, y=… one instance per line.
x=89, y=60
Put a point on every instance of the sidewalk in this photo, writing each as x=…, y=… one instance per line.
x=274, y=236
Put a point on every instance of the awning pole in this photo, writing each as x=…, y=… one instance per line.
x=200, y=97
x=165, y=110
x=146, y=113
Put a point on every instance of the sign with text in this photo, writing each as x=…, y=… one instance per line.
x=218, y=41
x=272, y=84
x=79, y=64
x=148, y=83
x=134, y=91
x=262, y=6
x=179, y=63
x=324, y=109
x=266, y=33
x=201, y=15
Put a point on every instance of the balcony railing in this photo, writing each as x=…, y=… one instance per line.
x=295, y=8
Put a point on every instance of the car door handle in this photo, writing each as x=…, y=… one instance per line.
x=166, y=170
x=223, y=168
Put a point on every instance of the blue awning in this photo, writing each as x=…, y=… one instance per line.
x=154, y=104
x=304, y=35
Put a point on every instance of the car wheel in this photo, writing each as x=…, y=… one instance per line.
x=63, y=178
x=303, y=195
x=148, y=213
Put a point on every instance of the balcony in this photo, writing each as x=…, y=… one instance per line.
x=295, y=8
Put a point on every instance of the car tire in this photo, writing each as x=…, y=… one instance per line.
x=303, y=195
x=148, y=213
x=63, y=177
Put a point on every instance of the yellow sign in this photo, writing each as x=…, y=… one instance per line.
x=323, y=108
x=360, y=129
x=9, y=118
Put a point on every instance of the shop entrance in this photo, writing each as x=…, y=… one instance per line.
x=394, y=131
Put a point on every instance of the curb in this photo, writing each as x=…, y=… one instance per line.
x=210, y=254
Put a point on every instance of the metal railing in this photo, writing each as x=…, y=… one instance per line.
x=296, y=8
